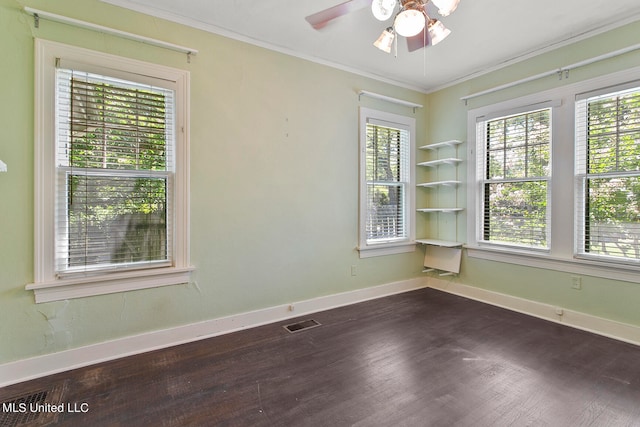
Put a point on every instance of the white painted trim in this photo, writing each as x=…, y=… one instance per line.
x=59, y=290
x=586, y=267
x=575, y=319
x=614, y=23
x=213, y=29
x=48, y=364
x=47, y=286
x=396, y=121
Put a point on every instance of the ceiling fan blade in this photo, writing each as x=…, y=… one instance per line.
x=322, y=18
x=418, y=41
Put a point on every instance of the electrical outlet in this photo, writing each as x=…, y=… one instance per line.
x=576, y=282
x=353, y=270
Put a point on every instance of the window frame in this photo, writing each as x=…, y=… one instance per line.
x=582, y=175
x=562, y=255
x=392, y=246
x=483, y=180
x=47, y=285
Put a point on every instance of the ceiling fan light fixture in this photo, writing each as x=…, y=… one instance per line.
x=385, y=41
x=383, y=9
x=409, y=22
x=445, y=7
x=437, y=31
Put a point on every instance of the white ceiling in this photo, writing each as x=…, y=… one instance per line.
x=485, y=34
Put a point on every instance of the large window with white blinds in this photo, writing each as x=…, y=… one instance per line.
x=386, y=181
x=111, y=173
x=608, y=174
x=556, y=178
x=115, y=145
x=514, y=172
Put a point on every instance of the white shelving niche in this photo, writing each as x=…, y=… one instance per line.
x=442, y=256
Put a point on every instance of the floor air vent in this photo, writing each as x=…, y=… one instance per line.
x=302, y=326
x=30, y=409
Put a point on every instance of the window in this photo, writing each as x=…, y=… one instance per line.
x=514, y=173
x=386, y=183
x=608, y=175
x=571, y=200
x=111, y=175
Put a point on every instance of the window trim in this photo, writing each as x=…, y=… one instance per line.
x=582, y=174
x=561, y=256
x=391, y=247
x=482, y=180
x=46, y=286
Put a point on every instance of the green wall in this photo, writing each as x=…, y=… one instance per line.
x=274, y=182
x=447, y=118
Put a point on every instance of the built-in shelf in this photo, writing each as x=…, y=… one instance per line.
x=427, y=210
x=442, y=256
x=451, y=143
x=439, y=183
x=447, y=161
x=443, y=243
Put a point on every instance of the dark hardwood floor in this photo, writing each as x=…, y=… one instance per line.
x=422, y=358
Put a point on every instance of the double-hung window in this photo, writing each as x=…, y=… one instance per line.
x=608, y=175
x=513, y=175
x=588, y=132
x=386, y=183
x=111, y=174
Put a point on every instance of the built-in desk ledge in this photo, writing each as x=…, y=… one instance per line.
x=442, y=243
x=427, y=210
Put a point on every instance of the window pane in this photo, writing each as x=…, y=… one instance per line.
x=387, y=175
x=109, y=213
x=609, y=165
x=110, y=124
x=518, y=146
x=384, y=154
x=515, y=190
x=385, y=212
x=115, y=220
x=613, y=217
x=614, y=133
x=516, y=213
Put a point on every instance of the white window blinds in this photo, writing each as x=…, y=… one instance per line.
x=387, y=175
x=513, y=171
x=608, y=174
x=115, y=165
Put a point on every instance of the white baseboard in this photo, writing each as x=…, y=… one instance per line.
x=39, y=366
x=586, y=322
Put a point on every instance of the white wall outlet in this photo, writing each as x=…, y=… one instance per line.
x=354, y=270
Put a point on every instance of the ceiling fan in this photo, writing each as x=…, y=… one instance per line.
x=411, y=20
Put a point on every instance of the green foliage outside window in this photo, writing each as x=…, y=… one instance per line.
x=117, y=203
x=612, y=219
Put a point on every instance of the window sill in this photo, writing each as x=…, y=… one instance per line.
x=587, y=267
x=387, y=249
x=79, y=287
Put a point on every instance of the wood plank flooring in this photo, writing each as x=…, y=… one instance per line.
x=422, y=358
